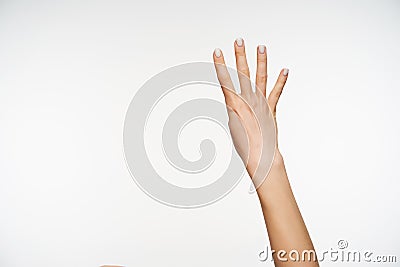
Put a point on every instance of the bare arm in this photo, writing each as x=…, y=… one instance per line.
x=285, y=225
x=249, y=116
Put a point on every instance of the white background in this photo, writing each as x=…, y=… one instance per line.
x=68, y=70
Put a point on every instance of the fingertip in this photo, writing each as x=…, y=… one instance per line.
x=239, y=46
x=239, y=42
x=285, y=72
x=261, y=49
x=261, y=54
x=217, y=52
x=218, y=56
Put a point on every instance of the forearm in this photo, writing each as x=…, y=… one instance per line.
x=250, y=123
x=285, y=225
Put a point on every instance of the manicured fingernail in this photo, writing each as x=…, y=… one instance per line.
x=285, y=71
x=217, y=52
x=239, y=42
x=261, y=49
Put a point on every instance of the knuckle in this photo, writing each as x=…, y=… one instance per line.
x=262, y=75
x=261, y=59
x=239, y=52
x=244, y=70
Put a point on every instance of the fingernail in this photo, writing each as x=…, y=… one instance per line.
x=285, y=72
x=261, y=49
x=239, y=42
x=217, y=52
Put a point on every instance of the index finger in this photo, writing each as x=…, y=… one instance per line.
x=223, y=77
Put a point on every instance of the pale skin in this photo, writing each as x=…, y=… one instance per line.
x=248, y=111
x=285, y=226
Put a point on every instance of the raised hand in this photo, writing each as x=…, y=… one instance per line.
x=251, y=114
x=252, y=122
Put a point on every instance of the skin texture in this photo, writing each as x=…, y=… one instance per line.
x=247, y=112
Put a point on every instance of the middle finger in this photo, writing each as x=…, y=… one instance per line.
x=242, y=67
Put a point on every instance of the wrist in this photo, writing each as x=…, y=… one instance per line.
x=276, y=185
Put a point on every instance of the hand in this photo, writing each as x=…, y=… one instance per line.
x=252, y=120
x=252, y=116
